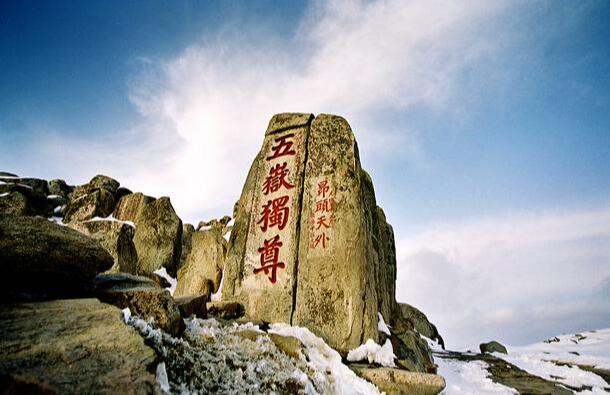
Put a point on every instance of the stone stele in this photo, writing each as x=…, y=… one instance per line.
x=309, y=246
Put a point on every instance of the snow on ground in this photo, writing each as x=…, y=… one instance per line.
x=468, y=378
x=217, y=297
x=381, y=325
x=587, y=348
x=326, y=363
x=373, y=353
x=173, y=282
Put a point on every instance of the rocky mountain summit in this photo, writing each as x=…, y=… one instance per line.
x=292, y=295
x=108, y=291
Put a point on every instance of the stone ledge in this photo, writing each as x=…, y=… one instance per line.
x=400, y=382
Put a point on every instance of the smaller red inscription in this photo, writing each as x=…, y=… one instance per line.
x=323, y=188
x=284, y=147
x=270, y=256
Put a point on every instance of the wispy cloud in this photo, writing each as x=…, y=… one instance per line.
x=519, y=278
x=204, y=111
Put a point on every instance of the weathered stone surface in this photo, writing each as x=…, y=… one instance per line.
x=158, y=237
x=226, y=310
x=336, y=288
x=129, y=207
x=386, y=273
x=400, y=382
x=14, y=203
x=412, y=352
x=218, y=226
x=98, y=203
x=205, y=262
x=59, y=187
x=266, y=284
x=492, y=346
x=35, y=184
x=187, y=243
x=192, y=305
x=143, y=297
x=72, y=347
x=37, y=203
x=117, y=238
x=289, y=345
x=104, y=182
x=37, y=254
x=409, y=317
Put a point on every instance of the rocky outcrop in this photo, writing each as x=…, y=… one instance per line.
x=130, y=207
x=117, y=238
x=24, y=196
x=187, y=243
x=37, y=255
x=143, y=297
x=400, y=382
x=309, y=236
x=59, y=188
x=14, y=203
x=408, y=317
x=492, y=346
x=412, y=352
x=219, y=226
x=204, y=263
x=158, y=237
x=72, y=347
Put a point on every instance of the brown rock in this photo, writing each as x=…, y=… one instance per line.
x=187, y=243
x=117, y=238
x=205, y=262
x=143, y=297
x=72, y=347
x=39, y=255
x=226, y=310
x=98, y=203
x=158, y=237
x=400, y=382
x=192, y=305
x=129, y=207
x=14, y=203
x=289, y=345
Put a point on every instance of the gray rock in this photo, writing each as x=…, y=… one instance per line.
x=400, y=382
x=412, y=352
x=72, y=347
x=130, y=207
x=408, y=317
x=14, y=203
x=193, y=305
x=143, y=297
x=59, y=187
x=81, y=207
x=158, y=237
x=205, y=262
x=492, y=346
x=117, y=238
x=39, y=255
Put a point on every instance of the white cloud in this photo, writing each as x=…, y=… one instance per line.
x=204, y=112
x=519, y=278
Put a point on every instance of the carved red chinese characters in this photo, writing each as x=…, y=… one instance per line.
x=270, y=255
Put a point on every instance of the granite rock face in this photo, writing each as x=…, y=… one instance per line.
x=117, y=238
x=130, y=207
x=71, y=347
x=203, y=264
x=37, y=254
x=158, y=237
x=310, y=246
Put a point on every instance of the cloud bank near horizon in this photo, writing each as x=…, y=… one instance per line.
x=512, y=279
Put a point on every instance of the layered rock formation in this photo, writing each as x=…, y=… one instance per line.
x=309, y=236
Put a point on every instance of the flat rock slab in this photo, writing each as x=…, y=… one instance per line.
x=401, y=382
x=72, y=346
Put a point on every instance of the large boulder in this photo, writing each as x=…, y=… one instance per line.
x=492, y=346
x=72, y=347
x=117, y=238
x=310, y=246
x=130, y=207
x=412, y=352
x=98, y=203
x=205, y=262
x=158, y=237
x=187, y=243
x=59, y=187
x=409, y=317
x=143, y=297
x=39, y=255
x=14, y=203
x=400, y=382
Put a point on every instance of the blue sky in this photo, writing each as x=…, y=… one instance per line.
x=478, y=121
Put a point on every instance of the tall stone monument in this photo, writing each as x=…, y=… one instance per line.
x=310, y=247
